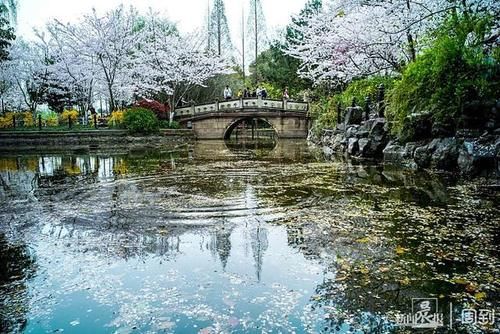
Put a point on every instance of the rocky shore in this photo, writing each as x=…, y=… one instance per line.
x=470, y=152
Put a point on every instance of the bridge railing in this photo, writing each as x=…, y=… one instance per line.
x=241, y=105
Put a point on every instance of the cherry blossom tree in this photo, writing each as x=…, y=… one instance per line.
x=98, y=49
x=29, y=73
x=168, y=65
x=121, y=55
x=354, y=38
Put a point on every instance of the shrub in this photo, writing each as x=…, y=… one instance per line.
x=22, y=119
x=158, y=108
x=272, y=91
x=140, y=120
x=117, y=118
x=6, y=121
x=324, y=112
x=455, y=70
x=27, y=118
x=49, y=118
x=67, y=114
x=168, y=125
x=361, y=88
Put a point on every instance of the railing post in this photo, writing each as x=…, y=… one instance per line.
x=39, y=122
x=259, y=101
x=285, y=104
x=217, y=105
x=193, y=109
x=14, y=121
x=241, y=102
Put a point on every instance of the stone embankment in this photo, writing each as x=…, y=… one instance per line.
x=469, y=152
x=11, y=141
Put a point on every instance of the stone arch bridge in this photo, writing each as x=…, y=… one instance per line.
x=218, y=120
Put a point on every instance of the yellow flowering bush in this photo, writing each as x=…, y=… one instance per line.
x=27, y=118
x=6, y=120
x=73, y=114
x=116, y=119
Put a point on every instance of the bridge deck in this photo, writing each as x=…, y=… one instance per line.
x=232, y=106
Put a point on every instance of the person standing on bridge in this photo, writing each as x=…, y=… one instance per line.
x=263, y=93
x=286, y=96
x=246, y=92
x=228, y=93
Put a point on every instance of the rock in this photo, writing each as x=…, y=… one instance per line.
x=419, y=125
x=378, y=128
x=352, y=147
x=410, y=149
x=497, y=162
x=394, y=153
x=442, y=130
x=475, y=157
x=445, y=154
x=363, y=144
x=351, y=131
x=353, y=115
x=422, y=156
x=362, y=134
x=327, y=151
x=468, y=133
x=338, y=142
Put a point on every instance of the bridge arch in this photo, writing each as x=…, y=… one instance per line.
x=237, y=121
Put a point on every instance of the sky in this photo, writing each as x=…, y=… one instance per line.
x=188, y=14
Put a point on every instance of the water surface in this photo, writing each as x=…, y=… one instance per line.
x=237, y=237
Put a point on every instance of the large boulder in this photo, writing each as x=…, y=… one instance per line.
x=352, y=147
x=475, y=157
x=353, y=115
x=445, y=154
x=395, y=153
x=417, y=126
x=377, y=128
x=363, y=145
x=423, y=154
x=497, y=162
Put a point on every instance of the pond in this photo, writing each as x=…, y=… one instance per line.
x=238, y=237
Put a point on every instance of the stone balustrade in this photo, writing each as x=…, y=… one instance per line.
x=242, y=104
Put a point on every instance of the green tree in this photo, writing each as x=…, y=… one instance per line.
x=256, y=30
x=458, y=71
x=8, y=10
x=6, y=34
x=219, y=39
x=278, y=69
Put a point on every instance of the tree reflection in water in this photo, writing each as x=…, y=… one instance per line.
x=17, y=265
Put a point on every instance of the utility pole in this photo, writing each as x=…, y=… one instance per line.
x=209, y=27
x=219, y=32
x=256, y=39
x=243, y=41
